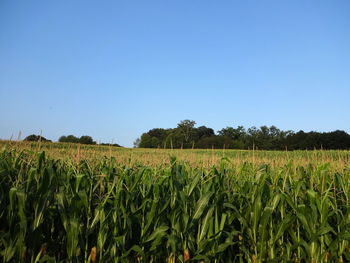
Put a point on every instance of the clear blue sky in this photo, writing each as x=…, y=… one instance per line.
x=115, y=69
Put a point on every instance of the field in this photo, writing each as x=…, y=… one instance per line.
x=75, y=203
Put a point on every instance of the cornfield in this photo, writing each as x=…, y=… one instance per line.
x=102, y=210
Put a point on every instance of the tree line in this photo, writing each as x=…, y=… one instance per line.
x=186, y=135
x=85, y=139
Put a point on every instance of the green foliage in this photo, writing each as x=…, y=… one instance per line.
x=36, y=138
x=86, y=140
x=69, y=138
x=186, y=127
x=185, y=135
x=67, y=211
x=72, y=139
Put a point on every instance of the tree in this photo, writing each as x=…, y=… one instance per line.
x=111, y=144
x=137, y=143
x=159, y=133
x=186, y=128
x=252, y=136
x=228, y=132
x=72, y=138
x=35, y=138
x=232, y=133
x=86, y=140
x=217, y=142
x=185, y=135
x=203, y=131
x=145, y=141
x=69, y=138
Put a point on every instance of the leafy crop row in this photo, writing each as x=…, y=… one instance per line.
x=61, y=211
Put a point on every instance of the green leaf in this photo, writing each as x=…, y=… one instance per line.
x=205, y=224
x=201, y=205
x=157, y=233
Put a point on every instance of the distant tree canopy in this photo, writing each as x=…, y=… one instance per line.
x=69, y=138
x=111, y=144
x=186, y=135
x=36, y=138
x=72, y=139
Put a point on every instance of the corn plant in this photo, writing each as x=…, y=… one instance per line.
x=101, y=210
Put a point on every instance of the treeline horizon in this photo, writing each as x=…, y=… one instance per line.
x=187, y=136
x=85, y=139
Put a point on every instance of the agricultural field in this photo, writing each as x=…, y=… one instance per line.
x=73, y=203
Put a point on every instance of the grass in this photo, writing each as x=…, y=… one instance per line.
x=71, y=203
